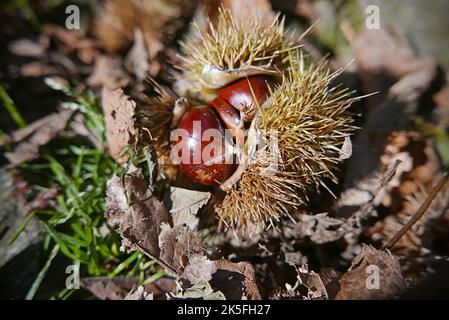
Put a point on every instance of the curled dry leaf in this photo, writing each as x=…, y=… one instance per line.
x=159, y=22
x=118, y=112
x=374, y=274
x=412, y=183
x=136, y=61
x=28, y=140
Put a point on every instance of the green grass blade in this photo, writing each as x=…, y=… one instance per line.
x=122, y=266
x=21, y=228
x=11, y=108
x=40, y=277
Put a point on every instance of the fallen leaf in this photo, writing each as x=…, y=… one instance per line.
x=200, y=290
x=139, y=294
x=388, y=67
x=106, y=288
x=124, y=287
x=108, y=72
x=374, y=274
x=320, y=228
x=27, y=48
x=118, y=112
x=37, y=134
x=199, y=268
x=138, y=213
x=313, y=282
x=136, y=60
x=185, y=205
x=117, y=20
x=72, y=41
x=235, y=280
x=178, y=245
x=346, y=149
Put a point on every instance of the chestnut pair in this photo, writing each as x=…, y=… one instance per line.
x=233, y=101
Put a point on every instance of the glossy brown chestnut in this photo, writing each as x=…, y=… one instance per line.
x=222, y=112
x=241, y=93
x=204, y=167
x=229, y=115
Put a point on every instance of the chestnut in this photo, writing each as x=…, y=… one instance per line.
x=208, y=156
x=241, y=93
x=208, y=161
x=229, y=115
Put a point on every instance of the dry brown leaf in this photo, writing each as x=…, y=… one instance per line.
x=440, y=115
x=384, y=53
x=138, y=294
x=235, y=280
x=357, y=284
x=309, y=285
x=122, y=287
x=119, y=114
x=37, y=69
x=185, y=206
x=72, y=41
x=144, y=224
x=37, y=134
x=106, y=288
x=108, y=72
x=386, y=65
x=404, y=194
x=27, y=48
x=199, y=268
x=159, y=22
x=313, y=282
x=177, y=245
x=137, y=58
x=320, y=228
x=138, y=213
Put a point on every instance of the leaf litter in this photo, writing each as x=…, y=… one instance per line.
x=387, y=177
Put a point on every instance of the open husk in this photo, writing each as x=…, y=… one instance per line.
x=303, y=129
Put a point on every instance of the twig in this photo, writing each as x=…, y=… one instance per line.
x=419, y=213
